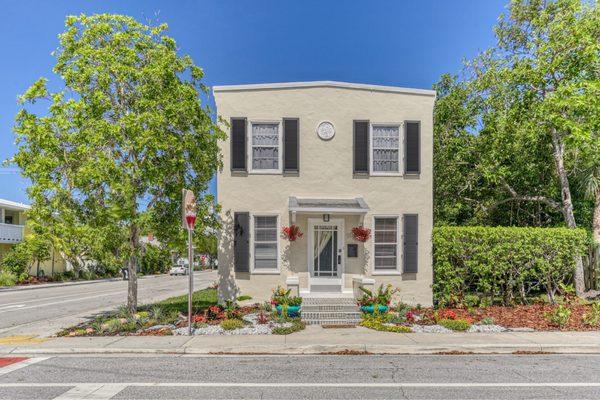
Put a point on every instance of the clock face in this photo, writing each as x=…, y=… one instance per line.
x=325, y=130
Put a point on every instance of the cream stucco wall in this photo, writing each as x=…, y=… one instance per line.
x=326, y=172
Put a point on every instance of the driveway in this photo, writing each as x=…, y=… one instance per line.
x=43, y=311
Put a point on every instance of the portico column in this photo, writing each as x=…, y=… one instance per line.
x=1, y=215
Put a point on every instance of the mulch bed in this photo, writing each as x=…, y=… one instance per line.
x=519, y=316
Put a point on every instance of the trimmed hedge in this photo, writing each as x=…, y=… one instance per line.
x=504, y=264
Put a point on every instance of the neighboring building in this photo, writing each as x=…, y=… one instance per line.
x=13, y=230
x=327, y=157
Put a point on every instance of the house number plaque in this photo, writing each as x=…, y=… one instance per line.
x=325, y=130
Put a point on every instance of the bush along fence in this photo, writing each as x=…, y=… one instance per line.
x=486, y=265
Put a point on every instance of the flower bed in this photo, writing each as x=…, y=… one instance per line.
x=168, y=318
x=571, y=315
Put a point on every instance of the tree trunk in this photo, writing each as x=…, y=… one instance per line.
x=596, y=219
x=134, y=244
x=567, y=204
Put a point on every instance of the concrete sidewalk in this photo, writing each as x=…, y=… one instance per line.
x=316, y=340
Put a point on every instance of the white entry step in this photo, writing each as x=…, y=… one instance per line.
x=330, y=311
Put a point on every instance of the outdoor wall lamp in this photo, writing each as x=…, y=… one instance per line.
x=325, y=217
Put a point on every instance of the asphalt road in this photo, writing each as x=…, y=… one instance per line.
x=43, y=311
x=304, y=377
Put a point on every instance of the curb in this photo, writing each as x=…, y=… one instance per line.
x=357, y=349
x=77, y=283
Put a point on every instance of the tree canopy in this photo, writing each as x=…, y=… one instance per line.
x=119, y=141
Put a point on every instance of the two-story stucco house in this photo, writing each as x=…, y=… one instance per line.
x=326, y=157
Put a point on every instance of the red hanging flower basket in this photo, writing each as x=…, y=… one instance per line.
x=361, y=233
x=291, y=232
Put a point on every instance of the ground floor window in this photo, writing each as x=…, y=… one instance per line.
x=265, y=242
x=386, y=243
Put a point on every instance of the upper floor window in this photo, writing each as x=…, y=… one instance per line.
x=385, y=149
x=265, y=145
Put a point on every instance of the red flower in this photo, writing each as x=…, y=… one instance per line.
x=361, y=234
x=291, y=232
x=410, y=316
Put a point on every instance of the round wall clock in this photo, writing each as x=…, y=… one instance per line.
x=325, y=130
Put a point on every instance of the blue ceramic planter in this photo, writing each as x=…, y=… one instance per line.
x=371, y=309
x=293, y=311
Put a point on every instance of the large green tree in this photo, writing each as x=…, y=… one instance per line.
x=121, y=139
x=537, y=113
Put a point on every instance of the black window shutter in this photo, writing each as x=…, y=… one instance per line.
x=291, y=145
x=412, y=155
x=241, y=241
x=361, y=147
x=238, y=144
x=411, y=244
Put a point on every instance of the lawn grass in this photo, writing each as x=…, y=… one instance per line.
x=201, y=299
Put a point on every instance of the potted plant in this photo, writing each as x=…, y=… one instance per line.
x=286, y=304
x=378, y=302
x=291, y=232
x=361, y=233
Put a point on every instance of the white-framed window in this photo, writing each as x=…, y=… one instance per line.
x=385, y=149
x=265, y=147
x=385, y=244
x=265, y=251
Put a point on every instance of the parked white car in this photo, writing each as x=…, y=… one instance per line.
x=178, y=270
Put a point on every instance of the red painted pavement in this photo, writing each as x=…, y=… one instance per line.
x=4, y=361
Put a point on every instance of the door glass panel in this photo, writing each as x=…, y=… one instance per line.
x=325, y=248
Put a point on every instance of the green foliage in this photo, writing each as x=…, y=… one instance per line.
x=201, y=300
x=383, y=296
x=126, y=130
x=7, y=278
x=231, y=324
x=244, y=297
x=592, y=317
x=17, y=259
x=155, y=260
x=383, y=322
x=559, y=316
x=501, y=262
x=297, y=325
x=399, y=315
x=487, y=321
x=455, y=324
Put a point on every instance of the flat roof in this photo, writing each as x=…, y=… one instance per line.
x=13, y=205
x=320, y=84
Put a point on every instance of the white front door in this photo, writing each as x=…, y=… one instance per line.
x=326, y=251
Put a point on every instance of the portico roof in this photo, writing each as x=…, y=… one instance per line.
x=330, y=206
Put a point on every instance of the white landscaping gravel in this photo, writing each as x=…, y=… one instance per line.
x=430, y=329
x=486, y=329
x=254, y=329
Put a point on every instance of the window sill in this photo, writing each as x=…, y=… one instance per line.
x=394, y=272
x=395, y=174
x=264, y=172
x=266, y=272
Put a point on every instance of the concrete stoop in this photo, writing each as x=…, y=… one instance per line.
x=330, y=311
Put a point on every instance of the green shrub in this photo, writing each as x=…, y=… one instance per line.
x=592, y=317
x=244, y=297
x=155, y=260
x=455, y=324
x=502, y=262
x=231, y=324
x=384, y=323
x=17, y=259
x=7, y=278
x=487, y=321
x=297, y=325
x=559, y=316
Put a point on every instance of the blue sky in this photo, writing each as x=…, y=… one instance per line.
x=403, y=42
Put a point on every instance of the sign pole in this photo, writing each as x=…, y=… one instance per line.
x=189, y=220
x=191, y=280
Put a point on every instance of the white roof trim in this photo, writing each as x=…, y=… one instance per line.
x=295, y=207
x=316, y=84
x=13, y=205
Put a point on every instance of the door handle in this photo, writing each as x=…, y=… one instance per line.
x=339, y=259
